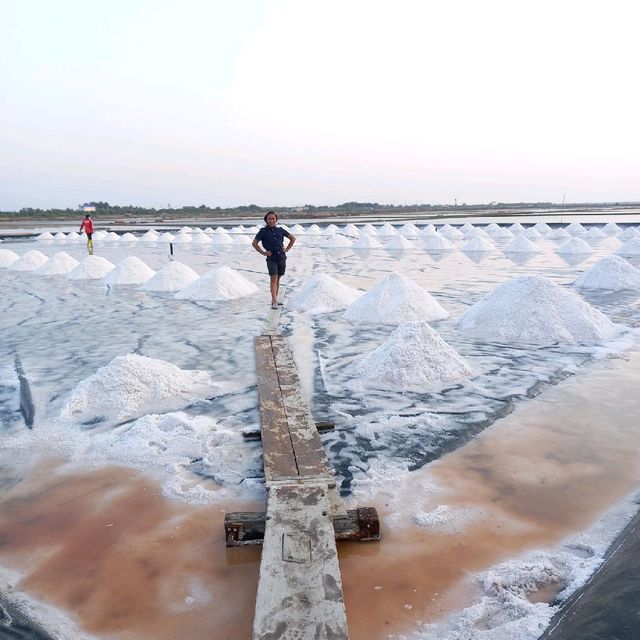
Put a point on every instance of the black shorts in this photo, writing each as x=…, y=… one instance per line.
x=277, y=266
x=89, y=236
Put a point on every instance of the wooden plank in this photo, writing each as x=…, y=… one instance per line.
x=300, y=590
x=311, y=458
x=277, y=449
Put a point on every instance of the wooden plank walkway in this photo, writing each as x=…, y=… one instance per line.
x=300, y=589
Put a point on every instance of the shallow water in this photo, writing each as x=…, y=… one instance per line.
x=145, y=575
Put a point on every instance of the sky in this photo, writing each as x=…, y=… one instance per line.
x=291, y=102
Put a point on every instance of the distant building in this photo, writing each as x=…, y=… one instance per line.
x=88, y=208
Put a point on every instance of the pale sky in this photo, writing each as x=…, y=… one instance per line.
x=291, y=102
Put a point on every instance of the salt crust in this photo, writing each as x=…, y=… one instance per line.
x=7, y=257
x=324, y=294
x=222, y=283
x=612, y=273
x=534, y=309
x=129, y=271
x=395, y=300
x=91, y=268
x=173, y=277
x=630, y=248
x=130, y=385
x=575, y=245
x=59, y=264
x=30, y=261
x=414, y=355
x=521, y=244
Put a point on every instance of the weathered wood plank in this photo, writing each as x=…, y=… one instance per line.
x=311, y=458
x=277, y=449
x=300, y=590
x=247, y=527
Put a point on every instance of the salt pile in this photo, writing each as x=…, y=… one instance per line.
x=558, y=234
x=542, y=228
x=173, y=277
x=478, y=243
x=60, y=236
x=575, y=229
x=450, y=232
x=59, y=264
x=499, y=232
x=7, y=257
x=387, y=230
x=414, y=355
x=314, y=230
x=201, y=238
x=630, y=248
x=534, y=309
x=611, y=273
x=150, y=236
x=183, y=238
x=516, y=228
x=628, y=233
x=533, y=234
x=394, y=300
x=91, y=268
x=468, y=230
x=73, y=237
x=131, y=270
x=331, y=229
x=429, y=230
x=366, y=241
x=369, y=229
x=575, y=245
x=351, y=230
x=594, y=233
x=45, y=236
x=409, y=230
x=30, y=261
x=166, y=237
x=222, y=283
x=222, y=238
x=399, y=242
x=324, y=294
x=521, y=244
x=437, y=243
x=611, y=228
x=130, y=386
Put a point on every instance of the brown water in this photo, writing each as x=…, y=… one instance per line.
x=105, y=547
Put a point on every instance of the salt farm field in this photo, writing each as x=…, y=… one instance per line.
x=500, y=483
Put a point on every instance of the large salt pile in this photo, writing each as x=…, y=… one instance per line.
x=630, y=248
x=534, y=309
x=222, y=283
x=399, y=242
x=558, y=234
x=594, y=233
x=612, y=273
x=542, y=228
x=366, y=241
x=395, y=300
x=516, y=228
x=611, y=228
x=45, y=236
x=351, y=230
x=131, y=270
x=59, y=264
x=575, y=229
x=387, y=230
x=409, y=230
x=91, y=268
x=7, y=257
x=575, y=245
x=450, y=232
x=628, y=233
x=533, y=234
x=324, y=294
x=499, y=232
x=478, y=243
x=173, y=277
x=30, y=261
x=437, y=242
x=521, y=244
x=414, y=355
x=221, y=238
x=132, y=385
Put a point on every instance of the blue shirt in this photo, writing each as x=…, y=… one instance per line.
x=272, y=240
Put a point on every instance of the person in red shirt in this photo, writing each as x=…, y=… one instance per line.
x=87, y=225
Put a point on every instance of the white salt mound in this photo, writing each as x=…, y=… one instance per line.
x=45, y=236
x=558, y=234
x=521, y=244
x=366, y=242
x=575, y=245
x=414, y=355
x=59, y=264
x=630, y=248
x=324, y=294
x=129, y=271
x=132, y=385
x=437, y=242
x=534, y=309
x=611, y=228
x=594, y=232
x=7, y=257
x=575, y=229
x=399, y=242
x=478, y=243
x=171, y=278
x=500, y=232
x=91, y=268
x=222, y=283
x=395, y=300
x=30, y=261
x=516, y=228
x=338, y=240
x=612, y=273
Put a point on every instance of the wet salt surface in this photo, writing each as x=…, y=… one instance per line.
x=64, y=331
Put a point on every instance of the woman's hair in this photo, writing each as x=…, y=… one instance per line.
x=268, y=214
